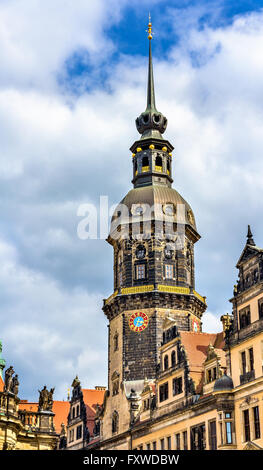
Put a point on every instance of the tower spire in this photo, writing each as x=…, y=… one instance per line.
x=250, y=240
x=150, y=90
x=151, y=123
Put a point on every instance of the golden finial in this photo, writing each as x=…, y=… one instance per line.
x=149, y=30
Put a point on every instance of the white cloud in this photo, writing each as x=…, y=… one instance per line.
x=58, y=151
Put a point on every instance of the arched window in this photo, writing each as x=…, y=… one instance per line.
x=115, y=422
x=159, y=164
x=135, y=168
x=168, y=167
x=166, y=363
x=145, y=161
x=173, y=358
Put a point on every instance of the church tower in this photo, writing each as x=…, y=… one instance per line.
x=153, y=233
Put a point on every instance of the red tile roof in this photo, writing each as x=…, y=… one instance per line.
x=91, y=398
x=195, y=345
x=60, y=408
x=1, y=384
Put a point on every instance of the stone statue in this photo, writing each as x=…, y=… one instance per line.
x=15, y=385
x=50, y=399
x=8, y=379
x=45, y=401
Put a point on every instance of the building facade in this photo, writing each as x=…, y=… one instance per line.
x=171, y=386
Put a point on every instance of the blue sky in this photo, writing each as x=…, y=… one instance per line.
x=73, y=80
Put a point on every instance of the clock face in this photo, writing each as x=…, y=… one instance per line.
x=140, y=252
x=195, y=325
x=138, y=321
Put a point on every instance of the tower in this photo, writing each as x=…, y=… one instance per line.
x=153, y=233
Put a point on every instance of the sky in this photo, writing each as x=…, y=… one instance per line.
x=72, y=82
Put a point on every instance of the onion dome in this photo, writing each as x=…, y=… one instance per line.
x=224, y=384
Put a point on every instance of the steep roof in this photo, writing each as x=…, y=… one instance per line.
x=60, y=408
x=196, y=345
x=91, y=398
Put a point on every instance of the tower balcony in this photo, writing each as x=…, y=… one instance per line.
x=159, y=288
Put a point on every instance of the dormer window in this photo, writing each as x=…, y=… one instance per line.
x=244, y=317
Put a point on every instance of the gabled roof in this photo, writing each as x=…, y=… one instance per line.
x=248, y=252
x=91, y=398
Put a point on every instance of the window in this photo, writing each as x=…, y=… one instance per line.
x=251, y=359
x=244, y=317
x=168, y=271
x=177, y=440
x=163, y=392
x=177, y=386
x=256, y=422
x=154, y=445
x=116, y=342
x=71, y=435
x=120, y=279
x=198, y=437
x=243, y=362
x=169, y=443
x=260, y=308
x=79, y=432
x=212, y=435
x=255, y=275
x=140, y=271
x=228, y=429
x=78, y=410
x=148, y=446
x=73, y=413
x=115, y=422
x=211, y=374
x=185, y=440
x=165, y=362
x=146, y=404
x=158, y=164
x=173, y=358
x=162, y=444
x=246, y=425
x=214, y=373
x=145, y=164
